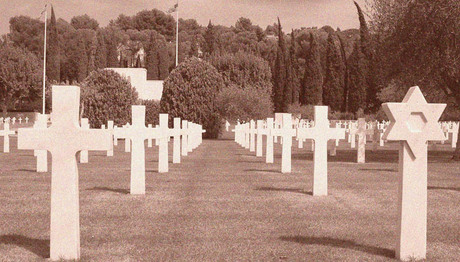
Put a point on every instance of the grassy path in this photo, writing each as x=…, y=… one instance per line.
x=224, y=204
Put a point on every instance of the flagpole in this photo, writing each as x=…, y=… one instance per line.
x=177, y=33
x=44, y=59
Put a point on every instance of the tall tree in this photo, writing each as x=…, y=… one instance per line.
x=419, y=44
x=279, y=74
x=20, y=76
x=210, y=39
x=101, y=51
x=357, y=85
x=334, y=81
x=294, y=70
x=53, y=60
x=345, y=74
x=373, y=104
x=312, y=84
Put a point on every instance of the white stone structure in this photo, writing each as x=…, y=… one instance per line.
x=147, y=89
x=414, y=122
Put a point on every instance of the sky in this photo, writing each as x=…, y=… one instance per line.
x=292, y=13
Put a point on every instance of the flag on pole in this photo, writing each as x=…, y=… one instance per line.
x=173, y=9
x=44, y=11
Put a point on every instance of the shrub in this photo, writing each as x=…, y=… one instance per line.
x=190, y=93
x=107, y=96
x=305, y=111
x=244, y=70
x=244, y=104
x=152, y=111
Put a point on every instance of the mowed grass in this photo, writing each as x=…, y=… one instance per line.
x=224, y=204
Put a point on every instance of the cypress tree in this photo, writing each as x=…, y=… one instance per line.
x=279, y=74
x=92, y=53
x=101, y=51
x=163, y=59
x=312, y=84
x=372, y=102
x=210, y=39
x=53, y=67
x=151, y=64
x=82, y=60
x=112, y=53
x=294, y=70
x=357, y=87
x=334, y=81
x=345, y=74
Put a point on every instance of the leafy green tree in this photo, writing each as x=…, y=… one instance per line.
x=334, y=80
x=20, y=76
x=190, y=93
x=244, y=70
x=418, y=42
x=84, y=22
x=107, y=96
x=53, y=60
x=312, y=84
x=27, y=33
x=235, y=103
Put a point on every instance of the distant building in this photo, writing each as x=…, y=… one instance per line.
x=147, y=89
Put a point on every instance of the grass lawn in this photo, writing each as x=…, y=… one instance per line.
x=224, y=204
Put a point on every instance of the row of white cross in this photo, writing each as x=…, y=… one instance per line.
x=13, y=120
x=413, y=123
x=248, y=134
x=66, y=136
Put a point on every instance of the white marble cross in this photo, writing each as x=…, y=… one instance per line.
x=454, y=131
x=137, y=133
x=110, y=130
x=184, y=145
x=260, y=132
x=27, y=119
x=414, y=122
x=252, y=137
x=321, y=133
x=164, y=133
x=6, y=132
x=149, y=140
x=64, y=138
x=362, y=133
x=42, y=155
x=13, y=120
x=286, y=132
x=20, y=120
x=176, y=143
x=127, y=140
x=246, y=135
x=84, y=153
x=269, y=142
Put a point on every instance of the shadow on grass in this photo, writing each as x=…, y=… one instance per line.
x=340, y=243
x=292, y=190
x=248, y=161
x=378, y=169
x=40, y=247
x=116, y=190
x=263, y=171
x=27, y=170
x=444, y=188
